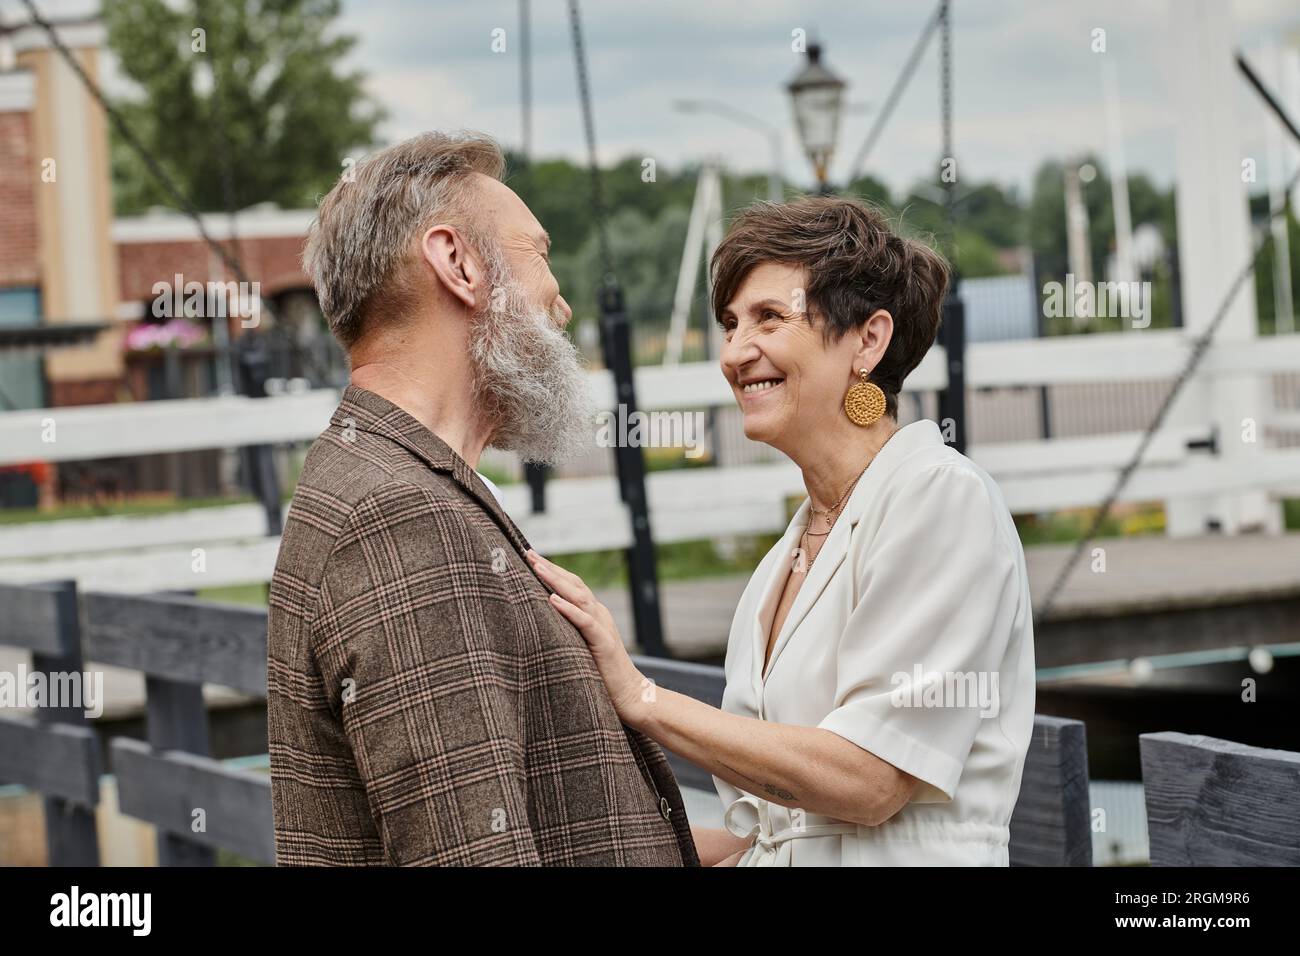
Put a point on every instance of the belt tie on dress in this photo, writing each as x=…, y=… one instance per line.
x=749, y=814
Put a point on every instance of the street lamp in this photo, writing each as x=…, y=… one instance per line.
x=817, y=95
x=775, y=190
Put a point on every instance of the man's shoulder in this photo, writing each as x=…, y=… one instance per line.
x=351, y=485
x=344, y=469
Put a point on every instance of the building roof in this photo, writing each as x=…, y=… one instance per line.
x=257, y=222
x=42, y=338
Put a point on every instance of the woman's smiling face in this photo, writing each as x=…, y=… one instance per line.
x=788, y=380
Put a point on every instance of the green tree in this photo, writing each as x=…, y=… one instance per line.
x=241, y=102
x=1047, y=232
x=1265, y=304
x=985, y=221
x=870, y=189
x=1048, y=240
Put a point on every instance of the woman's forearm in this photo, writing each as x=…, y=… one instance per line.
x=798, y=767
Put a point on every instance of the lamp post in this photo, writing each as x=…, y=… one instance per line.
x=817, y=95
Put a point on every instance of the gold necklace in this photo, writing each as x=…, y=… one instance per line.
x=835, y=509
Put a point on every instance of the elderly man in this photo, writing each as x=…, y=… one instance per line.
x=425, y=703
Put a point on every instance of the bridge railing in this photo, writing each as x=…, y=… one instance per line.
x=199, y=805
x=1213, y=802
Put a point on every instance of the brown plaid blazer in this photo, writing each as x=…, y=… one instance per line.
x=425, y=703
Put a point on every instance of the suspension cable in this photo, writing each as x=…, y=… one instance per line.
x=896, y=91
x=589, y=129
x=947, y=177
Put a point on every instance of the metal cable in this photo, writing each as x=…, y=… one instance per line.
x=947, y=178
x=589, y=129
x=896, y=92
x=1199, y=347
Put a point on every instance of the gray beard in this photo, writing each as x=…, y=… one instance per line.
x=529, y=381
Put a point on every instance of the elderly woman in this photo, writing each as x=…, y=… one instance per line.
x=880, y=670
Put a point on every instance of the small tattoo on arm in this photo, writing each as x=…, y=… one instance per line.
x=767, y=788
x=778, y=792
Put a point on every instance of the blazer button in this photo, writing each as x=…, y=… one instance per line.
x=664, y=809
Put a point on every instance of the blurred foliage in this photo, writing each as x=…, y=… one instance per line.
x=263, y=111
x=1069, y=526
x=1264, y=278
x=1046, y=216
x=647, y=228
x=996, y=231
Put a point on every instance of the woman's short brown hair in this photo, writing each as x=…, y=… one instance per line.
x=855, y=264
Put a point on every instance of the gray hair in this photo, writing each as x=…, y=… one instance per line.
x=365, y=226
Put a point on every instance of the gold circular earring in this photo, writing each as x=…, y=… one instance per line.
x=864, y=402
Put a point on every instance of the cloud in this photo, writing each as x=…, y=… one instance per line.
x=1027, y=86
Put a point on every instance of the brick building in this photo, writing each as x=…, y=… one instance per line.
x=65, y=260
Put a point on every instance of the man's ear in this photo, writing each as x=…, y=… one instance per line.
x=454, y=264
x=874, y=338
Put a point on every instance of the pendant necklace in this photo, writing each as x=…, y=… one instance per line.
x=833, y=512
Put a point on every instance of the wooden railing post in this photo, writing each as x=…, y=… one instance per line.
x=176, y=719
x=1213, y=802
x=69, y=827
x=54, y=752
x=180, y=643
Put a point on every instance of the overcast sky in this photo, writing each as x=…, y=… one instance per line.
x=1027, y=85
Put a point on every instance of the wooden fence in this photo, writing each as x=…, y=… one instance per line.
x=1218, y=803
x=1208, y=801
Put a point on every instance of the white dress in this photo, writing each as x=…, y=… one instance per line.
x=912, y=638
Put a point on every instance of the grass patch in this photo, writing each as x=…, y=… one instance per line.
x=678, y=561
x=1064, y=527
x=497, y=476
x=253, y=595
x=674, y=459
x=227, y=858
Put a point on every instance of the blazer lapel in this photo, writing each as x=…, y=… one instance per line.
x=371, y=412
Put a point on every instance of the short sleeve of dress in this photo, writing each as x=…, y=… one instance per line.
x=917, y=665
